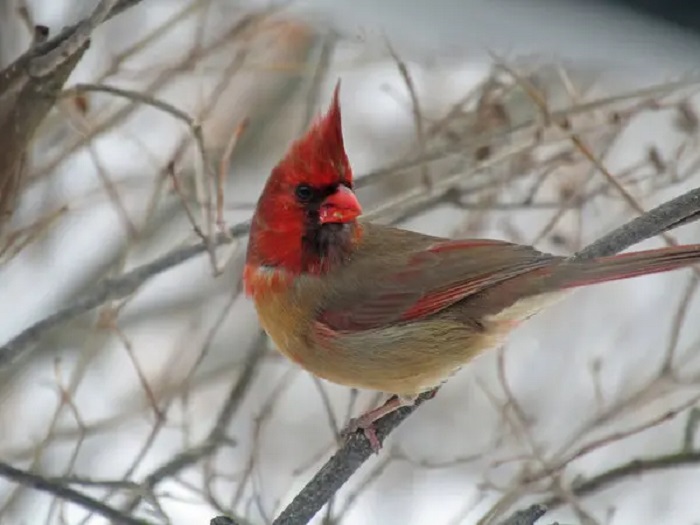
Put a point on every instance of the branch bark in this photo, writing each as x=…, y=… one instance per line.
x=29, y=88
x=636, y=467
x=528, y=516
x=60, y=490
x=108, y=290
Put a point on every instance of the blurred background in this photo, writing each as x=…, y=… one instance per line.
x=458, y=116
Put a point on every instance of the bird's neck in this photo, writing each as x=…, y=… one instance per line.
x=302, y=250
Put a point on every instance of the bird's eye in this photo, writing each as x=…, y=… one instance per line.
x=304, y=192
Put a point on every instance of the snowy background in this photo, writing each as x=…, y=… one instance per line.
x=607, y=376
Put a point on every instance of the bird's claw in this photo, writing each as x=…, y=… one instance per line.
x=366, y=421
x=367, y=428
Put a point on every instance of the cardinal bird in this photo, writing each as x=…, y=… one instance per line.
x=387, y=309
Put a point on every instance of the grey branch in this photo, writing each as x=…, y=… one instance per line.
x=29, y=88
x=528, y=516
x=181, y=461
x=222, y=520
x=107, y=290
x=28, y=479
x=75, y=42
x=635, y=467
x=672, y=214
x=217, y=434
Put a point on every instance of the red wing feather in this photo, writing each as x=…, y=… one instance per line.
x=433, y=302
x=431, y=280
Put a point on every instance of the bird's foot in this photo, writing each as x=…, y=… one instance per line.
x=366, y=421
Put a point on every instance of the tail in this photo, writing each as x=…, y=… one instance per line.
x=624, y=266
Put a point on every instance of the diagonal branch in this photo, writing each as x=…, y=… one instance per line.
x=528, y=516
x=29, y=88
x=181, y=461
x=107, y=290
x=216, y=435
x=632, y=468
x=35, y=481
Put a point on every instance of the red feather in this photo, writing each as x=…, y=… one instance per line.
x=434, y=279
x=433, y=302
x=317, y=158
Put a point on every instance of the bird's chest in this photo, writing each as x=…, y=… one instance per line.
x=284, y=312
x=285, y=322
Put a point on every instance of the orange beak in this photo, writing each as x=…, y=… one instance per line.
x=340, y=207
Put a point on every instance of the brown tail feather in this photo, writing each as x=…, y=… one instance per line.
x=626, y=265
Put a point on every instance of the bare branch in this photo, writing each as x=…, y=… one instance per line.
x=217, y=434
x=476, y=142
x=42, y=484
x=528, y=516
x=667, y=216
x=416, y=109
x=29, y=88
x=107, y=290
x=633, y=468
x=339, y=468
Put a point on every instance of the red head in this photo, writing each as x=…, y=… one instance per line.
x=305, y=218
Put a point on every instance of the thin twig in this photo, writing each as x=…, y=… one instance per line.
x=170, y=169
x=580, y=145
x=632, y=468
x=108, y=290
x=224, y=167
x=619, y=435
x=112, y=120
x=195, y=129
x=528, y=516
x=313, y=94
x=216, y=435
x=59, y=490
x=500, y=134
x=679, y=318
x=416, y=111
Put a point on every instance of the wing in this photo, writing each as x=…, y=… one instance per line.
x=426, y=280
